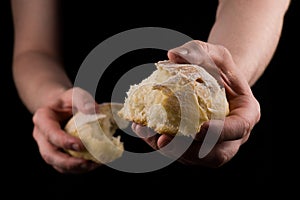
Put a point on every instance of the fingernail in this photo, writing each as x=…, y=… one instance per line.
x=76, y=147
x=181, y=51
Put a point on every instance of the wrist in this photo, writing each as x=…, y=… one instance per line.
x=49, y=95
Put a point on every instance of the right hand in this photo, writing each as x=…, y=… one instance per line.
x=233, y=131
x=52, y=139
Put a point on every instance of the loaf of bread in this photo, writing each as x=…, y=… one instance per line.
x=96, y=131
x=175, y=99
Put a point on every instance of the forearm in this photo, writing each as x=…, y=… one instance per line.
x=39, y=78
x=37, y=67
x=250, y=30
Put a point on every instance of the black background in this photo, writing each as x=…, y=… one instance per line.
x=85, y=25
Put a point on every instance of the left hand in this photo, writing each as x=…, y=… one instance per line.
x=237, y=126
x=50, y=136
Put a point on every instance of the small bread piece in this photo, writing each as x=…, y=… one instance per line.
x=175, y=99
x=96, y=131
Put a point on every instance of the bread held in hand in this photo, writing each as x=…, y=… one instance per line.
x=96, y=131
x=175, y=99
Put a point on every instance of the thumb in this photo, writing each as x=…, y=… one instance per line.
x=83, y=101
x=194, y=52
x=178, y=55
x=198, y=53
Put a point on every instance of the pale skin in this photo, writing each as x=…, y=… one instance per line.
x=242, y=42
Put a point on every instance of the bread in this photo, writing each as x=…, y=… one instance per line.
x=175, y=99
x=96, y=131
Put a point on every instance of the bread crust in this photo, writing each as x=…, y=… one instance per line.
x=175, y=99
x=96, y=131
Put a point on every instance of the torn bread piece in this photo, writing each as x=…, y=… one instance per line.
x=96, y=131
x=175, y=99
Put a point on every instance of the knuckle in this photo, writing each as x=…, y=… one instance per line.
x=58, y=140
x=247, y=127
x=48, y=159
x=37, y=115
x=224, y=52
x=221, y=157
x=35, y=134
x=258, y=111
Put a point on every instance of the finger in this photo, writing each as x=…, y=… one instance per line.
x=147, y=134
x=237, y=125
x=86, y=166
x=187, y=150
x=218, y=156
x=81, y=100
x=74, y=165
x=142, y=131
x=230, y=76
x=47, y=124
x=216, y=59
x=164, y=140
x=198, y=53
x=59, y=159
x=190, y=52
x=221, y=153
x=244, y=114
x=174, y=146
x=177, y=55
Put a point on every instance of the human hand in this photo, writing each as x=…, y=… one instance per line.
x=52, y=139
x=236, y=127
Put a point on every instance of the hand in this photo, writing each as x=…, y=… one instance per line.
x=51, y=139
x=234, y=130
